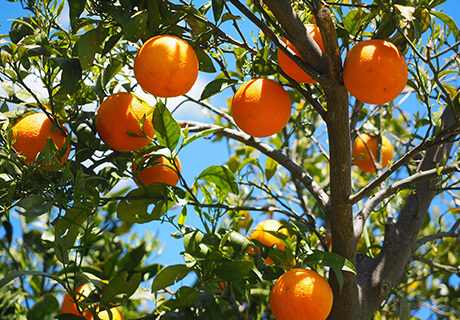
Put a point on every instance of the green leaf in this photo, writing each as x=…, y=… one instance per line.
x=185, y=296
x=20, y=28
x=66, y=229
x=205, y=62
x=43, y=307
x=193, y=244
x=447, y=20
x=233, y=270
x=330, y=259
x=336, y=262
x=199, y=135
x=222, y=177
x=134, y=208
x=270, y=168
x=111, y=71
x=216, y=86
x=182, y=217
x=71, y=73
x=228, y=16
x=76, y=8
x=19, y=273
x=169, y=276
x=136, y=28
x=167, y=130
x=353, y=20
x=217, y=8
x=33, y=206
x=87, y=46
x=123, y=283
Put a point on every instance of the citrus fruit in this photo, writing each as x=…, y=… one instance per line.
x=266, y=233
x=166, y=66
x=70, y=307
x=301, y=294
x=261, y=107
x=365, y=143
x=161, y=171
x=124, y=123
x=289, y=66
x=374, y=71
x=31, y=133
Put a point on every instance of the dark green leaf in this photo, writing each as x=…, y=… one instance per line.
x=233, y=270
x=134, y=208
x=66, y=229
x=169, y=276
x=185, y=296
x=33, y=206
x=217, y=8
x=167, y=130
x=216, y=86
x=222, y=177
x=43, y=307
x=193, y=244
x=87, y=46
x=111, y=71
x=76, y=8
x=330, y=259
x=205, y=62
x=123, y=283
x=71, y=73
x=20, y=28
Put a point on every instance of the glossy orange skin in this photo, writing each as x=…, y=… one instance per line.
x=301, y=294
x=118, y=122
x=261, y=107
x=166, y=66
x=31, y=133
x=375, y=72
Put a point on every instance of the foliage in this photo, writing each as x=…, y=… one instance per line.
x=79, y=223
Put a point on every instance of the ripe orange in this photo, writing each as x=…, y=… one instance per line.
x=119, y=122
x=365, y=143
x=166, y=66
x=163, y=171
x=31, y=133
x=375, y=71
x=264, y=232
x=261, y=107
x=69, y=305
x=301, y=294
x=289, y=66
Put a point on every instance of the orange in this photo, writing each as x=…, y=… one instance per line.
x=261, y=107
x=265, y=232
x=31, y=133
x=374, y=71
x=365, y=143
x=166, y=66
x=119, y=122
x=289, y=66
x=163, y=171
x=69, y=305
x=301, y=294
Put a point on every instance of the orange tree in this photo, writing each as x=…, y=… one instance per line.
x=387, y=241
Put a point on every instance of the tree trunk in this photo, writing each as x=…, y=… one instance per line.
x=376, y=277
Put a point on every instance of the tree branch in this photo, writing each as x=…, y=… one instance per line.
x=317, y=192
x=377, y=276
